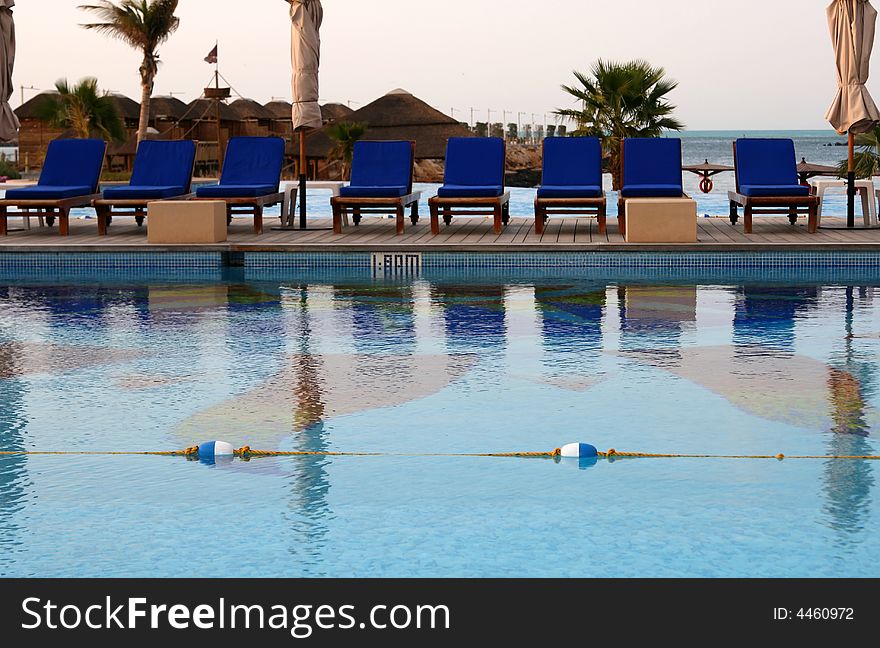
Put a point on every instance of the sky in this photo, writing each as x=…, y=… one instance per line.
x=741, y=65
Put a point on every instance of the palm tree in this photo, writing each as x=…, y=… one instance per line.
x=867, y=155
x=345, y=134
x=84, y=110
x=143, y=24
x=620, y=100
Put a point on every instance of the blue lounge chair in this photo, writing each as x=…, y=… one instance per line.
x=69, y=179
x=767, y=183
x=251, y=178
x=473, y=183
x=651, y=168
x=381, y=183
x=162, y=171
x=572, y=180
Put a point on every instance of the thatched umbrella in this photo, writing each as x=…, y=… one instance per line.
x=305, y=49
x=8, y=121
x=807, y=170
x=852, y=24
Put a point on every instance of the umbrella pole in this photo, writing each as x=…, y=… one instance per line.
x=851, y=183
x=302, y=179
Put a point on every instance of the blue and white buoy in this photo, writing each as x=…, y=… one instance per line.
x=214, y=450
x=579, y=451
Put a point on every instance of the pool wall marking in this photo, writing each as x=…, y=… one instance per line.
x=374, y=261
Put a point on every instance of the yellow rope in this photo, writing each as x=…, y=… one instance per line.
x=247, y=453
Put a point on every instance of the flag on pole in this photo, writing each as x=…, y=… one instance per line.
x=212, y=56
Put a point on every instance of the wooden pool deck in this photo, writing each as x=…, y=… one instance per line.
x=574, y=234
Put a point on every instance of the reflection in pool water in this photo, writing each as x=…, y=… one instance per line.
x=439, y=365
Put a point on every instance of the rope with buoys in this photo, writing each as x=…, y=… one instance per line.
x=574, y=450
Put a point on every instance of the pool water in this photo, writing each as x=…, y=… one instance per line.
x=442, y=364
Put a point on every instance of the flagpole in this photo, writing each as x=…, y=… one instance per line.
x=217, y=107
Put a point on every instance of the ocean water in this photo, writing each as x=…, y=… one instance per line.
x=445, y=363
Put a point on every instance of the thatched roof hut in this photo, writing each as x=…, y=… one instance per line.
x=400, y=116
x=129, y=109
x=30, y=108
x=331, y=112
x=205, y=109
x=249, y=110
x=280, y=110
x=166, y=108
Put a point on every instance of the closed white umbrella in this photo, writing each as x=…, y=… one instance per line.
x=305, y=49
x=852, y=24
x=8, y=121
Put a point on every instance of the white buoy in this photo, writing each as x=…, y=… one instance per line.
x=579, y=451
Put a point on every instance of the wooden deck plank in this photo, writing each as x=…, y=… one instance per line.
x=471, y=233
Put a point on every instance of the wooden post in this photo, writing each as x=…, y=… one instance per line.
x=219, y=129
x=851, y=183
x=303, y=169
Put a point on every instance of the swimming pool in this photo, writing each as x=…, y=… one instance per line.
x=739, y=362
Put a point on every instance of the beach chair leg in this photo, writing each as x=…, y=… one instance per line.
x=734, y=213
x=747, y=219
x=337, y=218
x=3, y=217
x=435, y=218
x=103, y=220
x=539, y=219
x=602, y=218
x=499, y=218
x=414, y=213
x=813, y=223
x=621, y=217
x=400, y=219
x=64, y=222
x=258, y=219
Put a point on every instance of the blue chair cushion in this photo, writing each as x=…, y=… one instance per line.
x=570, y=191
x=469, y=191
x=373, y=192
x=382, y=164
x=160, y=163
x=652, y=191
x=73, y=163
x=253, y=161
x=572, y=161
x=47, y=192
x=773, y=191
x=651, y=165
x=766, y=162
x=475, y=162
x=236, y=191
x=135, y=192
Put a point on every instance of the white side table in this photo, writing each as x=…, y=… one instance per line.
x=865, y=188
x=291, y=189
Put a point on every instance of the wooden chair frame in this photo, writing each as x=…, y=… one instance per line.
x=106, y=209
x=792, y=206
x=252, y=206
x=387, y=206
x=496, y=206
x=546, y=207
x=50, y=209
